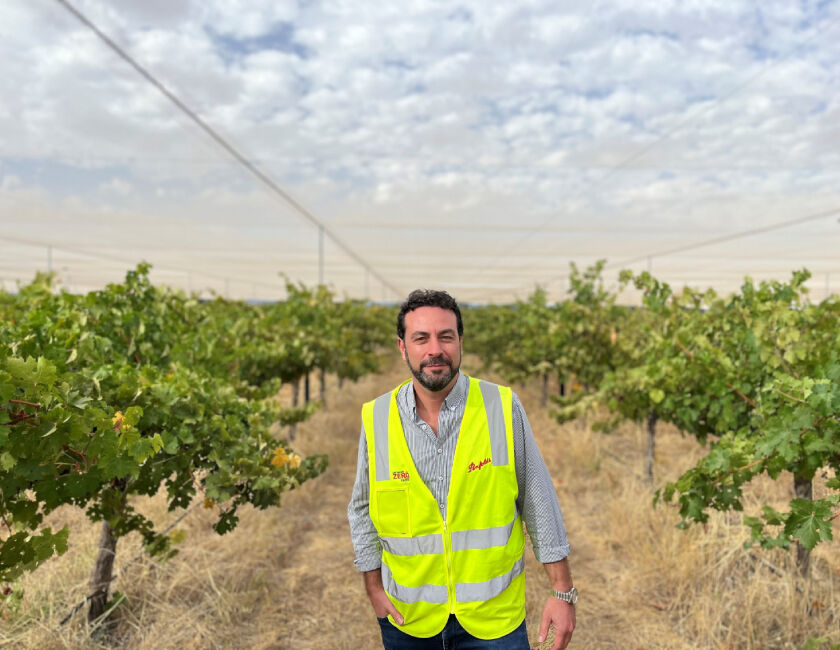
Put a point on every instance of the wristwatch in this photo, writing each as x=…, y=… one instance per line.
x=570, y=596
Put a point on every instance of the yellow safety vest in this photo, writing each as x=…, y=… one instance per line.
x=472, y=564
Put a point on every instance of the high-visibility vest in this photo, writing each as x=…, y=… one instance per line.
x=471, y=564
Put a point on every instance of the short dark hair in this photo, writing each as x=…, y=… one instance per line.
x=428, y=298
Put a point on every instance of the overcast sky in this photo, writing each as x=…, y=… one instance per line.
x=473, y=146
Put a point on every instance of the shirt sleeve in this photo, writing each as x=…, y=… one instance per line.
x=366, y=544
x=537, y=499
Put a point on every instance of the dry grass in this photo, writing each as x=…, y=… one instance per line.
x=285, y=577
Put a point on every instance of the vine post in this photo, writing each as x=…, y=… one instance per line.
x=650, y=450
x=102, y=574
x=803, y=488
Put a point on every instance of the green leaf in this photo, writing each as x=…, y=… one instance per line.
x=82, y=402
x=7, y=461
x=22, y=552
x=45, y=372
x=808, y=522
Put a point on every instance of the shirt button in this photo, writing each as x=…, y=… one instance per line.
x=440, y=450
x=440, y=478
x=441, y=506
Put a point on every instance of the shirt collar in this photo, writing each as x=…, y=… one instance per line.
x=458, y=393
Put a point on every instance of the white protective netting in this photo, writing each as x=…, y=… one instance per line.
x=478, y=148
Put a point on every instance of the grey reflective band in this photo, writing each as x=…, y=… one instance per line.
x=495, y=422
x=464, y=540
x=466, y=592
x=424, y=593
x=422, y=545
x=381, y=410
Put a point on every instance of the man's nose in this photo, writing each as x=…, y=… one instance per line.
x=434, y=348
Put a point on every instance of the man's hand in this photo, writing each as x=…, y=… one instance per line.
x=382, y=605
x=560, y=614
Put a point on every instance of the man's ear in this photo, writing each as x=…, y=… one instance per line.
x=401, y=345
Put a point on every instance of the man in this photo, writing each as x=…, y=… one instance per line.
x=447, y=471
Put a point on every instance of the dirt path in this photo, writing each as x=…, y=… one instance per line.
x=322, y=594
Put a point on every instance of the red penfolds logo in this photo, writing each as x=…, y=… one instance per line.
x=473, y=467
x=400, y=476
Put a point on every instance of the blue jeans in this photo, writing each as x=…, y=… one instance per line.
x=453, y=637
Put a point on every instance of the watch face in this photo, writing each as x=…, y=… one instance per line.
x=573, y=593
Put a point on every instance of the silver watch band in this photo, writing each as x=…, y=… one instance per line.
x=570, y=596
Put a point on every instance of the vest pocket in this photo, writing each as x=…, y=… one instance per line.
x=392, y=508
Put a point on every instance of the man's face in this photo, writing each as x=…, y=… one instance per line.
x=431, y=347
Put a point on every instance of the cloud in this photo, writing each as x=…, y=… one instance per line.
x=116, y=186
x=686, y=115
x=10, y=182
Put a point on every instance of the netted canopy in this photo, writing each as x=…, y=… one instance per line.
x=478, y=147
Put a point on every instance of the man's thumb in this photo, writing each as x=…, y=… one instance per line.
x=396, y=615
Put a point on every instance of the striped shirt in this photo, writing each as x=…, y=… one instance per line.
x=434, y=454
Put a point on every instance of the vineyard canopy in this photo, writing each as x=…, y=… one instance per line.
x=478, y=147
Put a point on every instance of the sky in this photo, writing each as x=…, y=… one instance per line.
x=478, y=147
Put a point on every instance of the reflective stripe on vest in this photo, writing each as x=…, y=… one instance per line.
x=431, y=568
x=495, y=422
x=467, y=592
x=463, y=540
x=423, y=545
x=423, y=593
x=380, y=429
x=464, y=591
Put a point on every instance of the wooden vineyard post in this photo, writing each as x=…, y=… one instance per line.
x=650, y=452
x=804, y=489
x=100, y=579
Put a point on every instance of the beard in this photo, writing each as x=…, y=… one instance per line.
x=436, y=382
